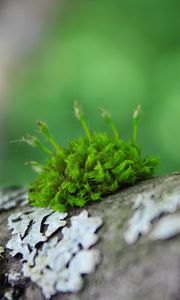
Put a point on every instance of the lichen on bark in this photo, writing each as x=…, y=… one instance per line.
x=145, y=270
x=58, y=265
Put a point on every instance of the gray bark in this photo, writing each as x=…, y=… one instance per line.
x=145, y=270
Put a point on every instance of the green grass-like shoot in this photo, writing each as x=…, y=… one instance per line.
x=89, y=168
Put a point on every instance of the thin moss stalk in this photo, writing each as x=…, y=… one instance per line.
x=136, y=119
x=80, y=116
x=105, y=115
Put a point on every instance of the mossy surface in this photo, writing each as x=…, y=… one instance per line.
x=89, y=168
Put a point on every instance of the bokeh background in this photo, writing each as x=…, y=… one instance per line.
x=114, y=54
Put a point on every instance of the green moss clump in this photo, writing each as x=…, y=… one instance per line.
x=90, y=168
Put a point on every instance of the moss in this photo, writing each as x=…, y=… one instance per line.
x=89, y=168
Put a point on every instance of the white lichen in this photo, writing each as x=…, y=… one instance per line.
x=149, y=207
x=10, y=198
x=9, y=295
x=13, y=277
x=17, y=246
x=58, y=265
x=54, y=221
x=26, y=229
x=166, y=228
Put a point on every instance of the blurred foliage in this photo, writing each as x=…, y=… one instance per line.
x=113, y=54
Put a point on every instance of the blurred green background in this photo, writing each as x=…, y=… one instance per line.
x=114, y=54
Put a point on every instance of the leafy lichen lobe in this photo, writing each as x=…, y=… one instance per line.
x=89, y=168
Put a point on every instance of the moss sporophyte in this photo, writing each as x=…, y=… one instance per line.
x=90, y=168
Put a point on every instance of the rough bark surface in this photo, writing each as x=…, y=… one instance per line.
x=145, y=270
